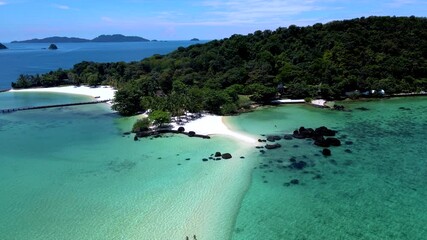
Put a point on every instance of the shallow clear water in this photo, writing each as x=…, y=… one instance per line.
x=378, y=191
x=70, y=173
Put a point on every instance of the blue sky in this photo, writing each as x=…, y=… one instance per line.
x=182, y=19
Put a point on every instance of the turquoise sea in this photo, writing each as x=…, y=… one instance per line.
x=70, y=173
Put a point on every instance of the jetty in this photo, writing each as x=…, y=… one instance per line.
x=10, y=110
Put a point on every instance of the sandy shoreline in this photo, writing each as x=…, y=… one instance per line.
x=214, y=125
x=100, y=93
x=206, y=125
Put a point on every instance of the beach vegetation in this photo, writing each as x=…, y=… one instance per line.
x=159, y=117
x=142, y=124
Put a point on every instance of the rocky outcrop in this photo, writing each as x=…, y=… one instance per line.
x=52, y=47
x=226, y=156
x=2, y=46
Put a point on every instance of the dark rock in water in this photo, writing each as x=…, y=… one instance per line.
x=294, y=181
x=217, y=154
x=273, y=146
x=362, y=108
x=242, y=157
x=187, y=159
x=295, y=146
x=204, y=159
x=292, y=159
x=321, y=142
x=191, y=133
x=348, y=151
x=338, y=107
x=273, y=138
x=287, y=137
x=126, y=133
x=52, y=47
x=262, y=151
x=324, y=131
x=297, y=135
x=299, y=165
x=326, y=152
x=135, y=138
x=181, y=129
x=259, y=140
x=211, y=158
x=348, y=143
x=333, y=141
x=305, y=132
x=217, y=159
x=226, y=156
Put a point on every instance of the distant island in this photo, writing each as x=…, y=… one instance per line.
x=195, y=39
x=2, y=46
x=101, y=38
x=52, y=47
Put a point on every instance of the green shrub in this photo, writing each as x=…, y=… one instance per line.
x=141, y=125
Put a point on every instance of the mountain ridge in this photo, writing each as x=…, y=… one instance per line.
x=100, y=38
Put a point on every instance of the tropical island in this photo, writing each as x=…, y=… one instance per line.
x=2, y=46
x=330, y=61
x=101, y=38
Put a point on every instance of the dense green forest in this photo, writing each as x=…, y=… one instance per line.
x=323, y=60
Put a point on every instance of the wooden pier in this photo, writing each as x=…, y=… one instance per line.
x=10, y=110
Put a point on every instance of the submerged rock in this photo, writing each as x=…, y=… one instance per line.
x=217, y=154
x=273, y=138
x=272, y=146
x=181, y=129
x=333, y=141
x=294, y=181
x=298, y=165
x=226, y=156
x=326, y=152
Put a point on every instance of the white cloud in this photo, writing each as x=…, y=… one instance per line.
x=231, y=12
x=3, y=3
x=62, y=7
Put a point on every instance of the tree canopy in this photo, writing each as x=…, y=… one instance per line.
x=325, y=60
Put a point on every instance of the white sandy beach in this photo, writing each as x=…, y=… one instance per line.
x=100, y=93
x=214, y=125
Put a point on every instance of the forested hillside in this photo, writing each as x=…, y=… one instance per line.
x=324, y=60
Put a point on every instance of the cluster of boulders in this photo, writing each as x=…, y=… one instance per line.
x=322, y=136
x=219, y=156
